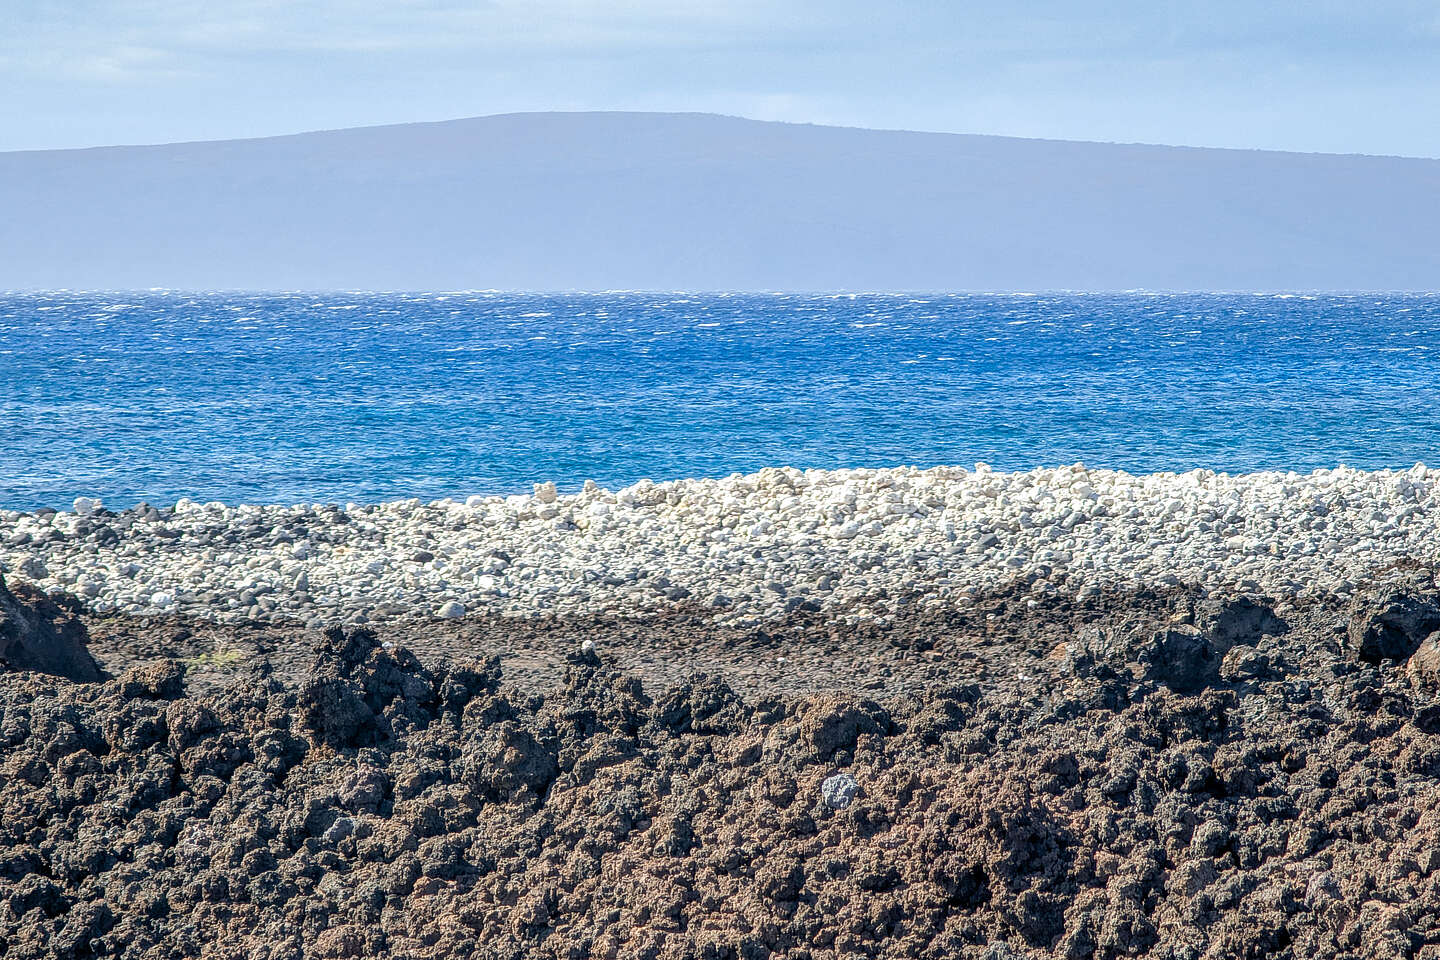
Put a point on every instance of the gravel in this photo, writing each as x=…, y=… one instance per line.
x=748, y=549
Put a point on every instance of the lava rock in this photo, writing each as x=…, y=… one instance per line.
x=364, y=789
x=1391, y=627
x=1180, y=657
x=1244, y=663
x=36, y=634
x=1242, y=620
x=164, y=680
x=1423, y=667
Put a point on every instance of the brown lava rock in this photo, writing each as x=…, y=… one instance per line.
x=383, y=808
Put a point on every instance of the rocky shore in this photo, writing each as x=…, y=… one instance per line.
x=857, y=544
x=1063, y=714
x=1150, y=774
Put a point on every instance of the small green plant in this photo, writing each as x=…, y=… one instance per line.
x=221, y=656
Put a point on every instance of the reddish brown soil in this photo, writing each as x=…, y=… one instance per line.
x=1170, y=778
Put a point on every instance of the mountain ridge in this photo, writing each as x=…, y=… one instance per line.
x=616, y=200
x=708, y=114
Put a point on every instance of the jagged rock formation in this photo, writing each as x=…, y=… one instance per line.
x=36, y=634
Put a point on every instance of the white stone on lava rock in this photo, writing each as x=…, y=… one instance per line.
x=839, y=791
x=749, y=546
x=451, y=610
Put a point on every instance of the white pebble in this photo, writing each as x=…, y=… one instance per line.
x=753, y=546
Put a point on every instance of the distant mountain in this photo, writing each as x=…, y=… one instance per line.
x=560, y=201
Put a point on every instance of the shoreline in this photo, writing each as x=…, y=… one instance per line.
x=748, y=549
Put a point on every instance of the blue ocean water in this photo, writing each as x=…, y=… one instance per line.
x=335, y=397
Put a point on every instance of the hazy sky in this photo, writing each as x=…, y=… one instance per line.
x=1326, y=75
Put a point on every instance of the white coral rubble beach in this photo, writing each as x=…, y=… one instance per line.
x=865, y=542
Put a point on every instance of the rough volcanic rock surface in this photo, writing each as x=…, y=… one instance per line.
x=1391, y=626
x=381, y=808
x=36, y=634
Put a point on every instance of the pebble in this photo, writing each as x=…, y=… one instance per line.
x=342, y=827
x=839, y=791
x=746, y=547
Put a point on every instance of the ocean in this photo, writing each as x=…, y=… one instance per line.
x=291, y=397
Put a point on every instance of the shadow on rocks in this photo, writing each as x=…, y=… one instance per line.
x=1391, y=626
x=1186, y=657
x=37, y=634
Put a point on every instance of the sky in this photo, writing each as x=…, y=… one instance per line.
x=1324, y=75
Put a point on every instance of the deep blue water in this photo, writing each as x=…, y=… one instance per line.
x=335, y=397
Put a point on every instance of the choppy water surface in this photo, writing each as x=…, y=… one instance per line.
x=335, y=397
